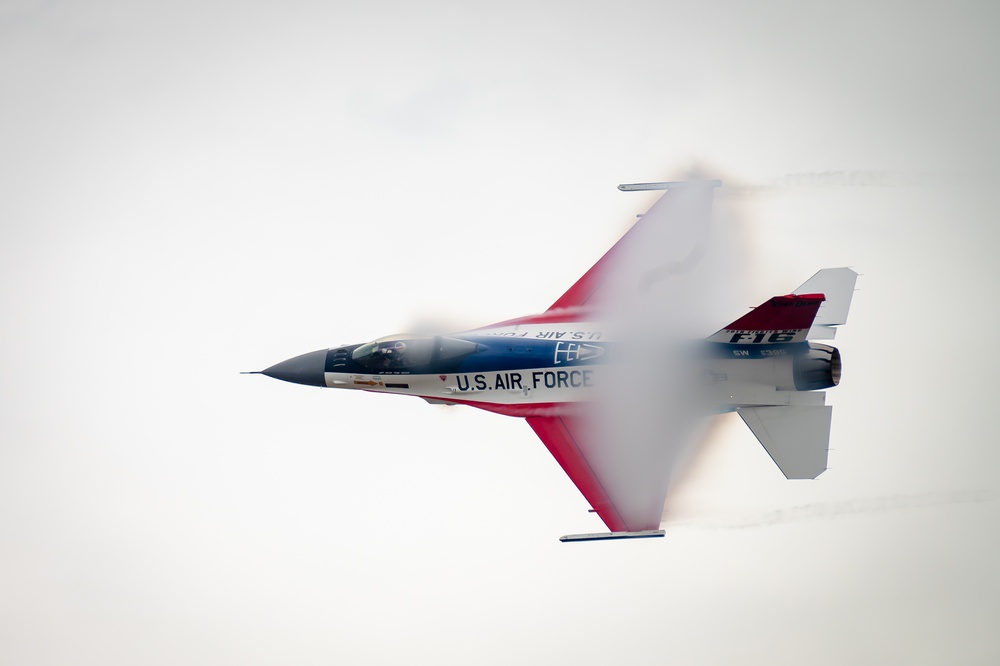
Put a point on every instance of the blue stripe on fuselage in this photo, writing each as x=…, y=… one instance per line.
x=500, y=354
x=493, y=353
x=497, y=354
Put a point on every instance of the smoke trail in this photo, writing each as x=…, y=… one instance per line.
x=819, y=511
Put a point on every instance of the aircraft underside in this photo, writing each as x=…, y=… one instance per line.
x=582, y=387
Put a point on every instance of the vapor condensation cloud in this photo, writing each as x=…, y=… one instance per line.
x=667, y=285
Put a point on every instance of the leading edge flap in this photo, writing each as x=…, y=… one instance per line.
x=624, y=482
x=555, y=433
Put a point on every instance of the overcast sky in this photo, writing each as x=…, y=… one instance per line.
x=192, y=189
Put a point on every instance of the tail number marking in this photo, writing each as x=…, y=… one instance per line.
x=758, y=337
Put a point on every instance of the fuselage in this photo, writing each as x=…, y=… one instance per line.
x=528, y=367
x=515, y=369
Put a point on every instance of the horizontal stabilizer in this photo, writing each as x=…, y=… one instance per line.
x=606, y=536
x=797, y=438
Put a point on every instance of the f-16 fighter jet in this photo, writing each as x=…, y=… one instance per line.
x=578, y=372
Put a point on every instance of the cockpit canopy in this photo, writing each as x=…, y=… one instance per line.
x=401, y=352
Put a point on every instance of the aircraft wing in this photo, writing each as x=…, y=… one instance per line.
x=627, y=492
x=678, y=219
x=622, y=452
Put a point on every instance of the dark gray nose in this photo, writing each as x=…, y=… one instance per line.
x=305, y=369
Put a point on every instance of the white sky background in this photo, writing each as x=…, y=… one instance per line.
x=194, y=189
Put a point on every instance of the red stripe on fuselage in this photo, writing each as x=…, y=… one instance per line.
x=562, y=316
x=519, y=411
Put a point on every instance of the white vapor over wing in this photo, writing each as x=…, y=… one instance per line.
x=662, y=294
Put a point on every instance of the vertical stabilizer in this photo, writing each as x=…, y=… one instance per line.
x=837, y=284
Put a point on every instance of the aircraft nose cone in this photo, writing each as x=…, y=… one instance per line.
x=305, y=369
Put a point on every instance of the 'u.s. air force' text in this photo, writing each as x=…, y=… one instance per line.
x=514, y=381
x=550, y=335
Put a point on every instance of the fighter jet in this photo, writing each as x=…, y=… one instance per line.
x=558, y=369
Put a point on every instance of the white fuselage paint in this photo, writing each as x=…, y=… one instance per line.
x=558, y=383
x=732, y=383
